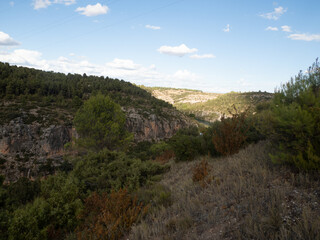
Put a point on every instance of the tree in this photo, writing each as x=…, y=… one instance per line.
x=295, y=117
x=101, y=124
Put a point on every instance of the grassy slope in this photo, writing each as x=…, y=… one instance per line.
x=248, y=199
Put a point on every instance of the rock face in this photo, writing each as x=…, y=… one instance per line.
x=31, y=150
x=28, y=149
x=154, y=127
x=17, y=137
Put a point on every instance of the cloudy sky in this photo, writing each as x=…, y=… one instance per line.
x=211, y=45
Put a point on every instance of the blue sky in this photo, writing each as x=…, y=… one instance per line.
x=211, y=45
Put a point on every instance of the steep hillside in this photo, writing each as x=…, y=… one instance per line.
x=37, y=110
x=208, y=106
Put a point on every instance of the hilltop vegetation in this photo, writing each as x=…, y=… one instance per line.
x=22, y=89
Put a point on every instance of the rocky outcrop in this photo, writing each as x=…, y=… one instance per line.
x=17, y=137
x=28, y=149
x=154, y=127
x=31, y=150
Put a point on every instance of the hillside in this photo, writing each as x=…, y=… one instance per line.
x=245, y=197
x=70, y=169
x=37, y=110
x=208, y=106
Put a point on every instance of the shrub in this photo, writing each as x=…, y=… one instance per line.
x=201, y=173
x=30, y=222
x=165, y=157
x=109, y=216
x=108, y=170
x=155, y=195
x=187, y=144
x=230, y=135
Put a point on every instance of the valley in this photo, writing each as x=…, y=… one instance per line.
x=85, y=157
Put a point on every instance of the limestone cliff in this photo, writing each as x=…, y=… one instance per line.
x=154, y=127
x=33, y=149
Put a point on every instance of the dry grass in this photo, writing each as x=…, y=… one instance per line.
x=248, y=199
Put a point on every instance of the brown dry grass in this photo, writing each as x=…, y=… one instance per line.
x=248, y=199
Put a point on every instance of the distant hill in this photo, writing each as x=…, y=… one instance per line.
x=208, y=106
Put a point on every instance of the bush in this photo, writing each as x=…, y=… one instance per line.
x=109, y=216
x=201, y=173
x=155, y=195
x=187, y=144
x=230, y=134
x=108, y=170
x=295, y=117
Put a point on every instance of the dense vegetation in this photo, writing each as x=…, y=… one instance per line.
x=295, y=116
x=25, y=88
x=112, y=183
x=70, y=201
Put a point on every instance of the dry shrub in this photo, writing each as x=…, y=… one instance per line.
x=109, y=216
x=165, y=157
x=201, y=173
x=230, y=136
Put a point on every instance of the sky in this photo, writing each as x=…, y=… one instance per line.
x=209, y=45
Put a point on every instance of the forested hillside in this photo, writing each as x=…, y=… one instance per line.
x=69, y=91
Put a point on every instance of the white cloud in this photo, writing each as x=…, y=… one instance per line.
x=286, y=28
x=275, y=15
x=305, y=37
x=125, y=64
x=118, y=68
x=24, y=57
x=272, y=28
x=38, y=4
x=6, y=40
x=93, y=10
x=65, y=2
x=185, y=75
x=153, y=27
x=227, y=28
x=203, y=56
x=11, y=3
x=177, y=51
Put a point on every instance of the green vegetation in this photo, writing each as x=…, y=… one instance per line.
x=223, y=104
x=101, y=123
x=110, y=189
x=295, y=117
x=59, y=96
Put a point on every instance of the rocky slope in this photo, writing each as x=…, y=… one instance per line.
x=37, y=110
x=29, y=149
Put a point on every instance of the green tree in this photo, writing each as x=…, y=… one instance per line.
x=295, y=118
x=101, y=124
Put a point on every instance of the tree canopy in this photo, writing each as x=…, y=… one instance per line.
x=101, y=124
